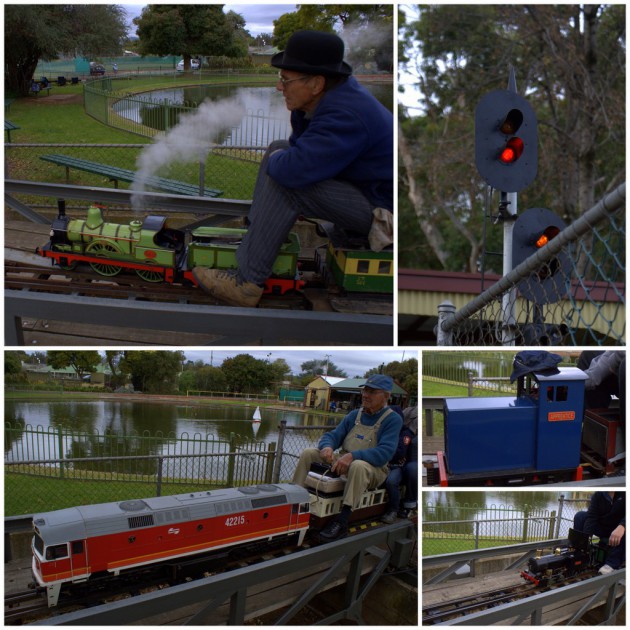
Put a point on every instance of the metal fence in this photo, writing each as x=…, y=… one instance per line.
x=446, y=529
x=55, y=467
x=571, y=292
x=144, y=114
x=233, y=171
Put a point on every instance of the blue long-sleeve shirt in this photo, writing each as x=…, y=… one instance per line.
x=386, y=436
x=350, y=137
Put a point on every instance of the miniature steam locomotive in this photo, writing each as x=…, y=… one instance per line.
x=580, y=554
x=535, y=436
x=84, y=544
x=157, y=252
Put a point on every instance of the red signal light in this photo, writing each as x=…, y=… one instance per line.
x=512, y=151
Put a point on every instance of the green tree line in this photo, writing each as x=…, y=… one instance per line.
x=170, y=372
x=45, y=32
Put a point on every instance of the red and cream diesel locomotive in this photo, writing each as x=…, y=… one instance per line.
x=78, y=544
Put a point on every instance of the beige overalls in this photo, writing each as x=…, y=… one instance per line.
x=361, y=475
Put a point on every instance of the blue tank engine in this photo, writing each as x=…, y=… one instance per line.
x=539, y=431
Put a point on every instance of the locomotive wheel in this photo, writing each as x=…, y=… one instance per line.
x=150, y=276
x=67, y=266
x=104, y=249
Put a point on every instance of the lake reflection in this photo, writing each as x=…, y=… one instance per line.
x=165, y=422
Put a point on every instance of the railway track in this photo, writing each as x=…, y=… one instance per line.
x=128, y=286
x=435, y=614
x=29, y=606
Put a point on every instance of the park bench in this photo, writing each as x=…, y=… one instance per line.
x=9, y=127
x=41, y=89
x=116, y=174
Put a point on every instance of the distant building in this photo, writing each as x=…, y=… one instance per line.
x=345, y=392
x=261, y=56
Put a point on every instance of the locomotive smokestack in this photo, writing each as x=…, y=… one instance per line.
x=61, y=205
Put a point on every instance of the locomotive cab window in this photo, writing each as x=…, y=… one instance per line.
x=56, y=551
x=38, y=543
x=385, y=267
x=77, y=547
x=363, y=266
x=562, y=393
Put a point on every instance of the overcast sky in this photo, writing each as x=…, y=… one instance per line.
x=352, y=362
x=259, y=17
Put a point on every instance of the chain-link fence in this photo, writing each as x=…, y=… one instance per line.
x=460, y=527
x=570, y=292
x=53, y=467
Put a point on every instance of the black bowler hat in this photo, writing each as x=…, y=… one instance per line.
x=313, y=52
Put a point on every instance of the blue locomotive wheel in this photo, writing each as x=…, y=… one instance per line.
x=104, y=249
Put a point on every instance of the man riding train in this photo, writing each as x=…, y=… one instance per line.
x=337, y=165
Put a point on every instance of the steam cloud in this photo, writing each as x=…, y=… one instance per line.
x=190, y=139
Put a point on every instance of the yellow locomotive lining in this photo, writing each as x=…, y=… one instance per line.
x=94, y=234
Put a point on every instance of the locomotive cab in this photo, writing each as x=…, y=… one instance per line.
x=539, y=430
x=59, y=552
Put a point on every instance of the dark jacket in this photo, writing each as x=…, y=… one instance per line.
x=350, y=137
x=402, y=450
x=607, y=512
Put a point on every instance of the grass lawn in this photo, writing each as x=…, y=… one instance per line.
x=61, y=118
x=46, y=494
x=439, y=546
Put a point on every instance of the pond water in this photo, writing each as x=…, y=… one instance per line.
x=267, y=118
x=123, y=422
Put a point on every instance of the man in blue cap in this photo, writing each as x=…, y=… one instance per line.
x=367, y=439
x=338, y=165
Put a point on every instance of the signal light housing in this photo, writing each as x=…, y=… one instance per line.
x=506, y=141
x=534, y=229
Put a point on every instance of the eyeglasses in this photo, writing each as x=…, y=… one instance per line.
x=285, y=81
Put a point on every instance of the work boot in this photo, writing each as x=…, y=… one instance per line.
x=227, y=286
x=389, y=517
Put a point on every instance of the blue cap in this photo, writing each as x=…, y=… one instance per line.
x=379, y=381
x=529, y=361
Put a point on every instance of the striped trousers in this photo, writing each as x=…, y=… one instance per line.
x=275, y=209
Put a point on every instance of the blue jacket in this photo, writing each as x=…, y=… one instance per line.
x=606, y=511
x=386, y=436
x=349, y=137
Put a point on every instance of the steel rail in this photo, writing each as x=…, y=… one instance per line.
x=172, y=203
x=233, y=325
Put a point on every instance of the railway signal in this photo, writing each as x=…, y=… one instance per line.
x=534, y=229
x=506, y=141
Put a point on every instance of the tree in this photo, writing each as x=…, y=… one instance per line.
x=153, y=371
x=34, y=32
x=114, y=359
x=570, y=65
x=189, y=29
x=12, y=363
x=367, y=29
x=83, y=362
x=405, y=373
x=246, y=374
x=317, y=367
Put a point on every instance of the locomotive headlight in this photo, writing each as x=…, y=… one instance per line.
x=557, y=551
